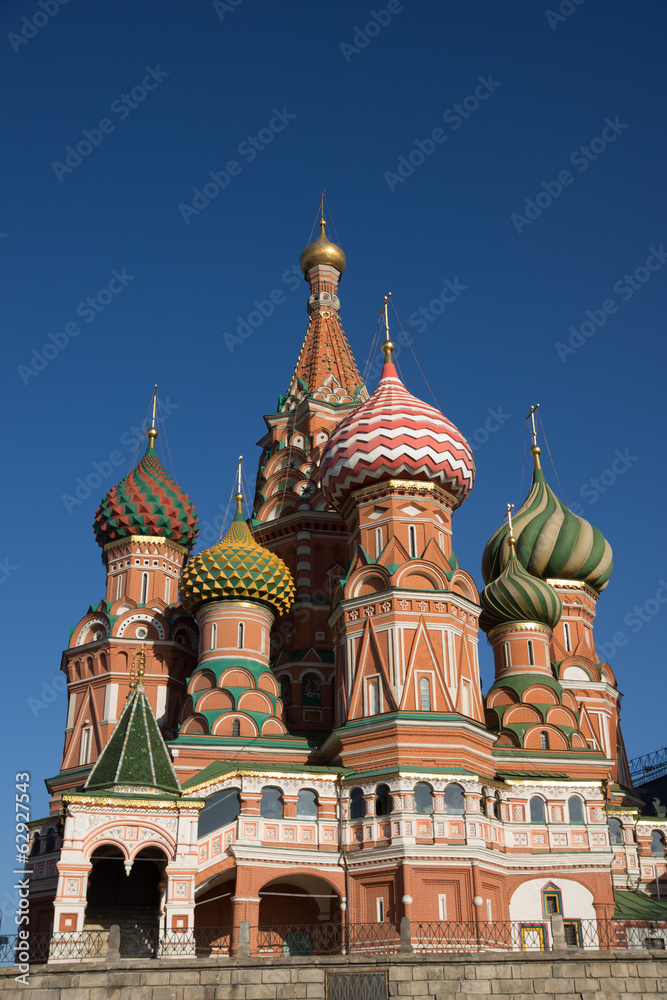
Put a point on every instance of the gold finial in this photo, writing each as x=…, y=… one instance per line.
x=152, y=431
x=511, y=540
x=239, y=498
x=387, y=346
x=133, y=682
x=535, y=451
x=142, y=664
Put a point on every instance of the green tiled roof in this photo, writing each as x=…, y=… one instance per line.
x=638, y=906
x=136, y=755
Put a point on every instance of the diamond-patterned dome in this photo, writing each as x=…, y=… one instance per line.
x=237, y=568
x=147, y=502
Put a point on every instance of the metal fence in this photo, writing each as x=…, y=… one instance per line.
x=336, y=938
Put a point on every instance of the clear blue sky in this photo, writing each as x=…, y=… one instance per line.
x=280, y=101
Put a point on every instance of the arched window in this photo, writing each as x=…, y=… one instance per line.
x=496, y=806
x=306, y=805
x=214, y=636
x=441, y=540
x=423, y=794
x=615, y=831
x=219, y=810
x=412, y=541
x=537, y=810
x=144, y=588
x=378, y=543
x=167, y=590
x=119, y=586
x=531, y=654
x=454, y=800
x=373, y=698
x=50, y=841
x=236, y=727
x=424, y=695
x=568, y=641
x=657, y=844
x=544, y=740
x=357, y=804
x=576, y=809
x=286, y=690
x=239, y=641
x=508, y=655
x=36, y=844
x=263, y=642
x=310, y=690
x=382, y=800
x=271, y=804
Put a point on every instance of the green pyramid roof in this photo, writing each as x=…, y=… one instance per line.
x=136, y=755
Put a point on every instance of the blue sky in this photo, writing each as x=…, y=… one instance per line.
x=515, y=153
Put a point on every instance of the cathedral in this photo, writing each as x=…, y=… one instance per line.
x=288, y=729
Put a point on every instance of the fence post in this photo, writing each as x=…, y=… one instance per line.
x=113, y=943
x=243, y=950
x=558, y=932
x=406, y=937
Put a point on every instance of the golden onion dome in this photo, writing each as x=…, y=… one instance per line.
x=322, y=251
x=237, y=568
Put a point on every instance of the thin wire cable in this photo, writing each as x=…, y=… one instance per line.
x=371, y=353
x=166, y=440
x=560, y=487
x=407, y=339
x=325, y=202
x=224, y=520
x=135, y=454
x=523, y=465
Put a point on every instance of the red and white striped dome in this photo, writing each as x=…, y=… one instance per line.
x=393, y=435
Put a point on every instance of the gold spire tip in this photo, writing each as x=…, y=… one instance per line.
x=142, y=664
x=151, y=434
x=511, y=540
x=387, y=346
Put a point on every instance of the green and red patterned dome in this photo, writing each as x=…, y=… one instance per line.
x=147, y=502
x=237, y=568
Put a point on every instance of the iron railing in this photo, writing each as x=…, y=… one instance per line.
x=335, y=938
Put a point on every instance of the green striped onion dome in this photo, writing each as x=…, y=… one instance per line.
x=552, y=542
x=147, y=502
x=237, y=568
x=516, y=596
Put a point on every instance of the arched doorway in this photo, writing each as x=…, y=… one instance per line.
x=299, y=915
x=213, y=914
x=128, y=894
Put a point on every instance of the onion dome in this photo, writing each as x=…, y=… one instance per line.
x=393, y=435
x=147, y=502
x=322, y=252
x=552, y=542
x=516, y=596
x=237, y=568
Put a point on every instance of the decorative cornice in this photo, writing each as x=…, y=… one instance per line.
x=131, y=540
x=399, y=486
x=118, y=802
x=243, y=773
x=501, y=630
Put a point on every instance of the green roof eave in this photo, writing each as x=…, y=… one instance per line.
x=638, y=906
x=413, y=716
x=396, y=768
x=109, y=793
x=219, y=769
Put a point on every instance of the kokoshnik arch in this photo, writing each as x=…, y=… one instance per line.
x=290, y=726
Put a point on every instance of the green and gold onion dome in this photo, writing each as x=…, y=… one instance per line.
x=147, y=502
x=322, y=251
x=552, y=542
x=516, y=596
x=237, y=569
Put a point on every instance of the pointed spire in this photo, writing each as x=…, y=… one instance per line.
x=151, y=433
x=326, y=368
x=136, y=756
